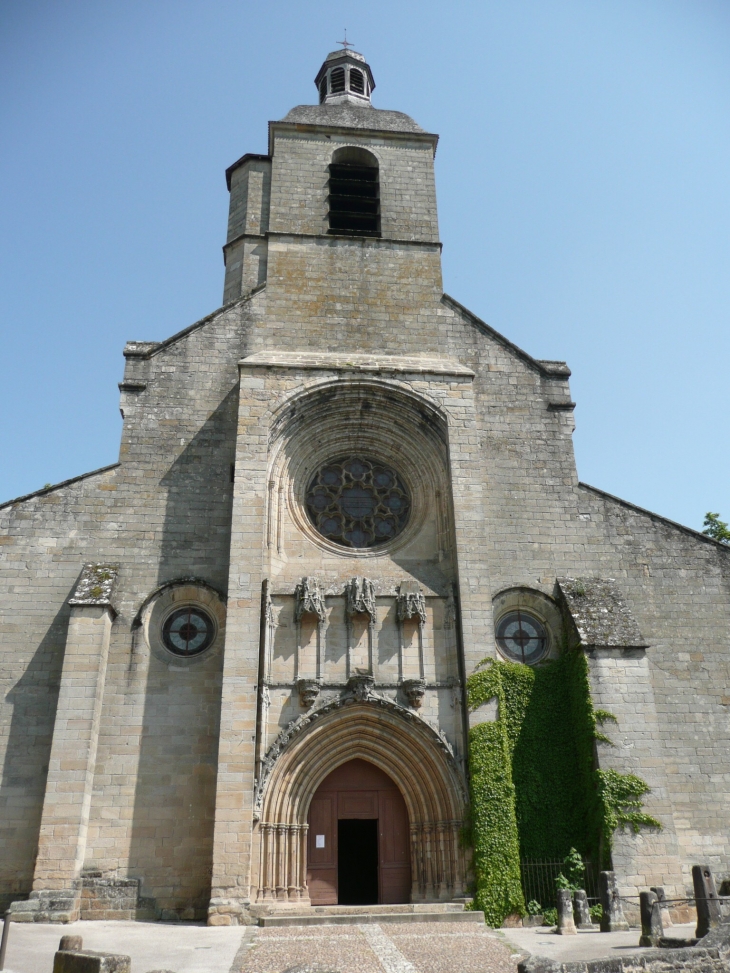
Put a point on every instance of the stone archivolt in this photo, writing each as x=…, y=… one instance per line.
x=416, y=757
x=375, y=417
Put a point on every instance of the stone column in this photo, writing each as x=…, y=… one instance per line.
x=67, y=802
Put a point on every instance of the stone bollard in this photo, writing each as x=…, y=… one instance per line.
x=651, y=919
x=73, y=958
x=709, y=913
x=581, y=910
x=663, y=907
x=612, y=919
x=566, y=926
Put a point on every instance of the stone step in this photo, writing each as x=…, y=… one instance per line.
x=357, y=915
x=335, y=910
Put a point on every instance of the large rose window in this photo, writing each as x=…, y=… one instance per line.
x=358, y=502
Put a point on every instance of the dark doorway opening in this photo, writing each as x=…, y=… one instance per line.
x=357, y=862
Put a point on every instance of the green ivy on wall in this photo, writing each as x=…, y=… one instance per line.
x=535, y=791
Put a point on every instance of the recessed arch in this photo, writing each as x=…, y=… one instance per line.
x=375, y=418
x=404, y=747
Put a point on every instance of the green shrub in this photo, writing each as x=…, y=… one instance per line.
x=550, y=917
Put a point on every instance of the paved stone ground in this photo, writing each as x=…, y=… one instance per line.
x=424, y=947
x=390, y=948
x=387, y=948
x=179, y=947
x=586, y=945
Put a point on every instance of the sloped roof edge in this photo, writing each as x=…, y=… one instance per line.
x=556, y=369
x=58, y=486
x=148, y=349
x=698, y=535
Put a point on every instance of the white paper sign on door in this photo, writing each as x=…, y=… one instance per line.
x=319, y=841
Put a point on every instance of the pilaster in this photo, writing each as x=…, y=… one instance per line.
x=67, y=803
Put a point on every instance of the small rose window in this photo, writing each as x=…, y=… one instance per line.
x=358, y=502
x=521, y=637
x=188, y=631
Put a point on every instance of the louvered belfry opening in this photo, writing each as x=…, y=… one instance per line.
x=357, y=81
x=337, y=80
x=354, y=203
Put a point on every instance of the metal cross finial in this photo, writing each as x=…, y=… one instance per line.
x=345, y=43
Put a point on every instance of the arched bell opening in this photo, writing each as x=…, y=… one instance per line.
x=400, y=749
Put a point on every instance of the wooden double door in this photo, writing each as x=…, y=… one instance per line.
x=359, y=839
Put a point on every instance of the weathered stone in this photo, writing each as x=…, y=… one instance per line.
x=582, y=912
x=415, y=690
x=122, y=757
x=360, y=597
x=86, y=961
x=70, y=944
x=566, y=925
x=310, y=599
x=308, y=690
x=661, y=896
x=612, y=919
x=652, y=930
x=599, y=613
x=709, y=913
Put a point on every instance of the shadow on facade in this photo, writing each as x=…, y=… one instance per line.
x=34, y=698
x=171, y=847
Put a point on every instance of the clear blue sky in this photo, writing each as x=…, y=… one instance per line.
x=584, y=200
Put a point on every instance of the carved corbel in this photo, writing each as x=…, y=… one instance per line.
x=308, y=690
x=414, y=690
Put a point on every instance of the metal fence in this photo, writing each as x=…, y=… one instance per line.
x=538, y=880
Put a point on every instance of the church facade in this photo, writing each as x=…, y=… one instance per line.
x=234, y=662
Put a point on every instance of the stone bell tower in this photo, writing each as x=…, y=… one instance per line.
x=334, y=171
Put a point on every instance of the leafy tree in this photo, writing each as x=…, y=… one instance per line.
x=716, y=529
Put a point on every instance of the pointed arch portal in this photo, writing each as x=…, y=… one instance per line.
x=405, y=751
